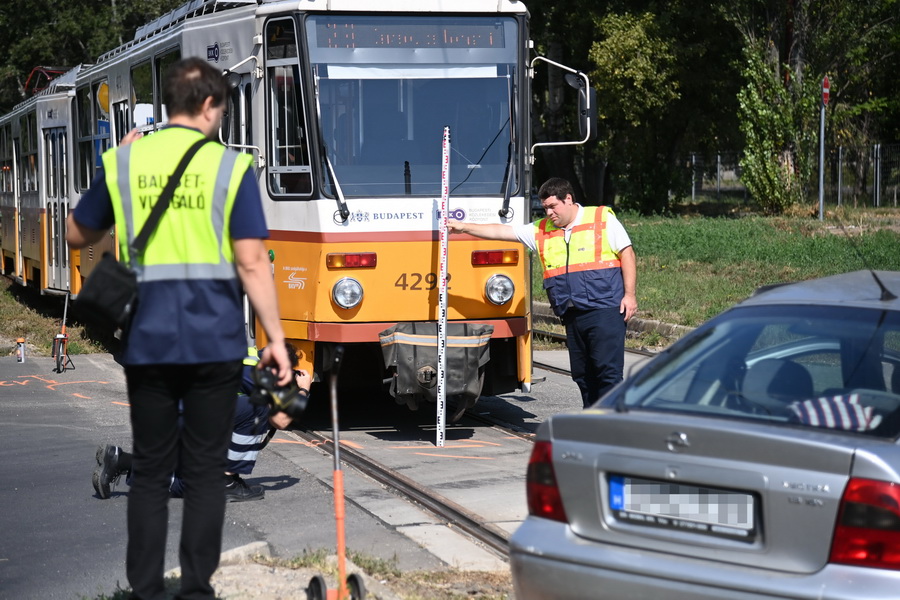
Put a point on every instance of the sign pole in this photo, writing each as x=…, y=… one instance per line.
x=444, y=236
x=826, y=90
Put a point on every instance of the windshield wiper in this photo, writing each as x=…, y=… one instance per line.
x=510, y=163
x=507, y=184
x=338, y=193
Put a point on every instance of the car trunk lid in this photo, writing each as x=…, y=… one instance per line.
x=724, y=490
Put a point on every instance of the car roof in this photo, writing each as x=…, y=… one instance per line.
x=856, y=289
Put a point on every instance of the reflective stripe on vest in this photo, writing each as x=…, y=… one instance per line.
x=252, y=358
x=172, y=254
x=582, y=253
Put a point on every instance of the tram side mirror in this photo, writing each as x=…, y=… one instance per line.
x=587, y=106
x=232, y=79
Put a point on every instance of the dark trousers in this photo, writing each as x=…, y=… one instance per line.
x=199, y=448
x=596, y=341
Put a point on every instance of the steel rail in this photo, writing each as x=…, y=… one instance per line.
x=493, y=537
x=561, y=337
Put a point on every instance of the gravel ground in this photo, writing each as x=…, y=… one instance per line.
x=240, y=577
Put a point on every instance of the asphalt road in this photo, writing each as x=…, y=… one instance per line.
x=58, y=540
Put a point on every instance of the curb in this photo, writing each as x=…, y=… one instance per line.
x=236, y=556
x=542, y=313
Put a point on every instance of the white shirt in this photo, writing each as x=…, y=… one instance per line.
x=615, y=233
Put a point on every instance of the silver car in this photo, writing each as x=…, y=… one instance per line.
x=758, y=457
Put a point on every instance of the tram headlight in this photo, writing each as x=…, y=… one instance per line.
x=347, y=292
x=499, y=289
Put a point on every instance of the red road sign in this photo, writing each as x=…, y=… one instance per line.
x=826, y=89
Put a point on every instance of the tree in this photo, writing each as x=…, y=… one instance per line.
x=789, y=48
x=775, y=117
x=563, y=33
x=634, y=67
x=64, y=33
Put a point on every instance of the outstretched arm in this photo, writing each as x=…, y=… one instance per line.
x=487, y=231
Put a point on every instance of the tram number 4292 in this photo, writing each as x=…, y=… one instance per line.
x=419, y=281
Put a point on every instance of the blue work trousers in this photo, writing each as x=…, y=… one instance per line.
x=205, y=394
x=596, y=341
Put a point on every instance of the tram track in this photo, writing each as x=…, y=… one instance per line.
x=449, y=512
x=561, y=337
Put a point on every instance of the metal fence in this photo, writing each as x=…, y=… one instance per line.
x=863, y=175
x=858, y=176
x=716, y=177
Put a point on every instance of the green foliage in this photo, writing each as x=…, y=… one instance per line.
x=64, y=33
x=634, y=68
x=634, y=74
x=776, y=119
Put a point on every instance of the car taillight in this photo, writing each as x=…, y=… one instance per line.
x=543, y=493
x=347, y=260
x=868, y=527
x=495, y=257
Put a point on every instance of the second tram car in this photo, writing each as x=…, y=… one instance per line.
x=343, y=109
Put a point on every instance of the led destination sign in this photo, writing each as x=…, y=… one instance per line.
x=417, y=33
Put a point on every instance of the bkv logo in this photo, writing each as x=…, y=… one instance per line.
x=457, y=214
x=212, y=52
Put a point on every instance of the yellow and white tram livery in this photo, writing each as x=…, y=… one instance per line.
x=343, y=109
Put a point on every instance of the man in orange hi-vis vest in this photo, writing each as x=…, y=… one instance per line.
x=590, y=276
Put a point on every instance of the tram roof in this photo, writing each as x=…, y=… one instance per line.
x=196, y=8
x=200, y=7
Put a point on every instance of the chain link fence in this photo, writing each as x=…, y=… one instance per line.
x=858, y=176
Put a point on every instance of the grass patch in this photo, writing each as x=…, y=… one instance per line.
x=26, y=313
x=692, y=268
x=450, y=584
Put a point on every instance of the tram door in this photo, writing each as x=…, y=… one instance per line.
x=237, y=133
x=20, y=214
x=57, y=186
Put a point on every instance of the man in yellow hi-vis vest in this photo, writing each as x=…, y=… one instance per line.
x=590, y=276
x=183, y=349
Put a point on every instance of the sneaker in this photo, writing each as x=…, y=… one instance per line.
x=237, y=490
x=108, y=471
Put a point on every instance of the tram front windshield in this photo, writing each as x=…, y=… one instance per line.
x=387, y=87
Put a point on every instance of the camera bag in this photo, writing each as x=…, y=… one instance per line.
x=109, y=294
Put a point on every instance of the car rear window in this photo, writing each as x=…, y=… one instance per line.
x=828, y=367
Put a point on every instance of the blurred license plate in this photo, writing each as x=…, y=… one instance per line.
x=679, y=506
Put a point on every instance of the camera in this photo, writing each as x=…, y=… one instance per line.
x=289, y=399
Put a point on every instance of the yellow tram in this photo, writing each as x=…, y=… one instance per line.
x=343, y=109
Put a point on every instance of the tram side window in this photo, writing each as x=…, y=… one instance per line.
x=162, y=65
x=28, y=175
x=6, y=170
x=50, y=164
x=236, y=123
x=289, y=164
x=63, y=165
x=92, y=119
x=142, y=94
x=122, y=118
